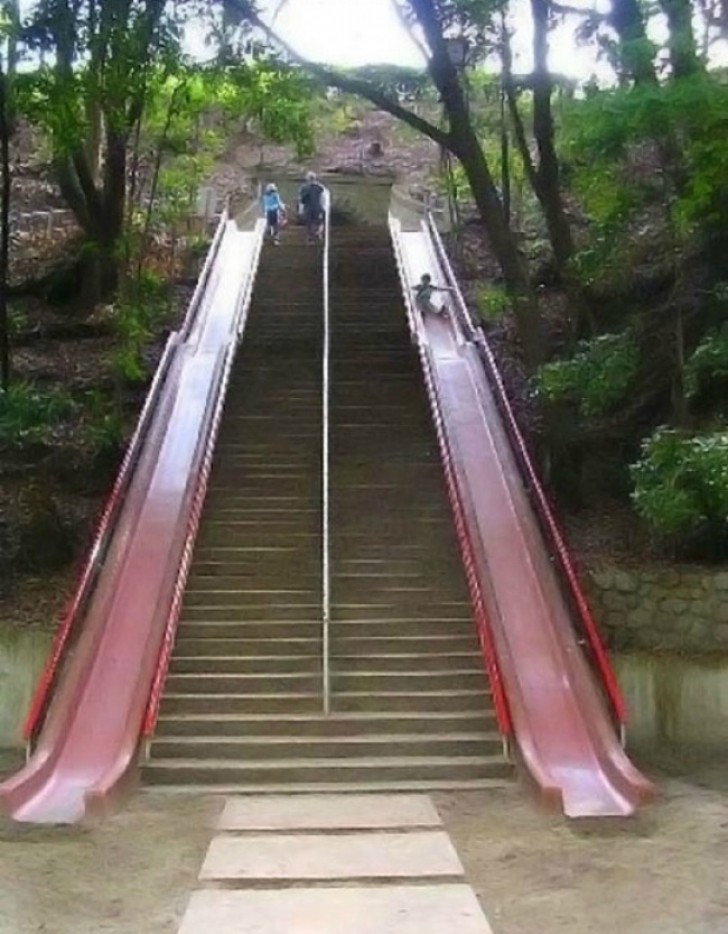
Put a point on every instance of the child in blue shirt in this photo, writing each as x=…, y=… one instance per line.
x=274, y=210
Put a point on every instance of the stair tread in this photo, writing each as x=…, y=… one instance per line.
x=465, y=784
x=339, y=716
x=351, y=762
x=370, y=738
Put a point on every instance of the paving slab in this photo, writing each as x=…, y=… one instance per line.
x=442, y=909
x=328, y=812
x=303, y=857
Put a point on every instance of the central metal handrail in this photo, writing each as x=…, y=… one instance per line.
x=325, y=536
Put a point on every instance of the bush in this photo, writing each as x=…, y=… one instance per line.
x=596, y=379
x=492, y=302
x=140, y=312
x=681, y=490
x=708, y=364
x=29, y=414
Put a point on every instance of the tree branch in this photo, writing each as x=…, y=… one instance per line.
x=333, y=78
x=589, y=13
x=399, y=13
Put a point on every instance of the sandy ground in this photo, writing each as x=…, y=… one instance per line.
x=534, y=873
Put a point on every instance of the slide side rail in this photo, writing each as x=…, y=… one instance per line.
x=88, y=576
x=165, y=654
x=485, y=635
x=555, y=540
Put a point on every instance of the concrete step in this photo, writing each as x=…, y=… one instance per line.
x=277, y=595
x=372, y=786
x=275, y=630
x=337, y=747
x=353, y=769
x=265, y=648
x=391, y=644
x=216, y=682
x=218, y=703
x=434, y=662
x=317, y=725
x=220, y=663
x=422, y=701
x=407, y=680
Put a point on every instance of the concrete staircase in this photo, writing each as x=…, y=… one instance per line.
x=242, y=709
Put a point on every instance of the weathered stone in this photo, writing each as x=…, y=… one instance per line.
x=614, y=600
x=342, y=856
x=641, y=617
x=625, y=582
x=365, y=910
x=678, y=608
x=602, y=578
x=720, y=634
x=324, y=812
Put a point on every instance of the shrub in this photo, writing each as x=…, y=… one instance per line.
x=681, y=489
x=492, y=302
x=29, y=414
x=708, y=364
x=142, y=310
x=596, y=379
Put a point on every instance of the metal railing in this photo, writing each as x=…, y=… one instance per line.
x=325, y=503
x=550, y=529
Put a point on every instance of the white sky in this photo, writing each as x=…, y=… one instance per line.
x=359, y=32
x=347, y=32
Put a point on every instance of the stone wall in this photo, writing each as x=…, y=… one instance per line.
x=683, y=609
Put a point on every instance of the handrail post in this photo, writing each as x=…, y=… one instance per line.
x=325, y=543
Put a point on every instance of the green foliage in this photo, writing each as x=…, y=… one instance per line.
x=681, y=489
x=104, y=424
x=596, y=379
x=492, y=302
x=138, y=314
x=29, y=414
x=627, y=147
x=708, y=364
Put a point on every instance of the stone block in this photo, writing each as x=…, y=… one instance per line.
x=303, y=857
x=625, y=582
x=328, y=812
x=446, y=909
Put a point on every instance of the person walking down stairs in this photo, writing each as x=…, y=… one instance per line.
x=274, y=210
x=311, y=206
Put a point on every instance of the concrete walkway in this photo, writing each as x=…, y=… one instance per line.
x=332, y=864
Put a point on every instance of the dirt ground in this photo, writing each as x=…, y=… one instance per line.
x=662, y=874
x=534, y=873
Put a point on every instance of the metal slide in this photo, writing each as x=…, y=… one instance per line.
x=89, y=712
x=563, y=713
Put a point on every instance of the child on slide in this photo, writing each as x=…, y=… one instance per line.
x=275, y=212
x=424, y=291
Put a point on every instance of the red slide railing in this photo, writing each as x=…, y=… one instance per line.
x=485, y=635
x=165, y=654
x=555, y=539
x=74, y=610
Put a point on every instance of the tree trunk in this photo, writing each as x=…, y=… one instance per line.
x=505, y=149
x=683, y=51
x=635, y=60
x=515, y=273
x=548, y=173
x=4, y=232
